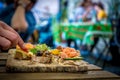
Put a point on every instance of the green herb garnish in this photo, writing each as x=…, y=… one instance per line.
x=39, y=47
x=34, y=50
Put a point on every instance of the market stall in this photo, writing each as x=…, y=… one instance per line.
x=82, y=31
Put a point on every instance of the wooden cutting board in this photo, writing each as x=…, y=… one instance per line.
x=14, y=65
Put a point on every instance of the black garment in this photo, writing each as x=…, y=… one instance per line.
x=96, y=39
x=69, y=41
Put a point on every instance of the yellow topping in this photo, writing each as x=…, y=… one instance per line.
x=55, y=51
x=18, y=48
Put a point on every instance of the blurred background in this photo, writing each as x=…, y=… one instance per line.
x=91, y=26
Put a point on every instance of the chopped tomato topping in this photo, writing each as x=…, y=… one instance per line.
x=69, y=53
x=29, y=46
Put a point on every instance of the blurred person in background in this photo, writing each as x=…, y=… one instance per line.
x=78, y=12
x=100, y=17
x=18, y=15
x=89, y=12
x=85, y=12
x=101, y=14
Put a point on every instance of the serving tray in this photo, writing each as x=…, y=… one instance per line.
x=14, y=65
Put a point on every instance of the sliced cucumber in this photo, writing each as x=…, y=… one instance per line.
x=76, y=58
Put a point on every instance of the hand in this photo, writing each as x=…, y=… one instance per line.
x=24, y=3
x=9, y=38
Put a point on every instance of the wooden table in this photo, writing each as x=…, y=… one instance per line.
x=94, y=73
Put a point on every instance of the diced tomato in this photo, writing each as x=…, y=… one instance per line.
x=26, y=50
x=63, y=55
x=72, y=54
x=69, y=53
x=29, y=46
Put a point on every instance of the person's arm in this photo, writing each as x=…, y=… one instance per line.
x=18, y=21
x=9, y=38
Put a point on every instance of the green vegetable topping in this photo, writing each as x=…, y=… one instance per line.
x=39, y=47
x=34, y=50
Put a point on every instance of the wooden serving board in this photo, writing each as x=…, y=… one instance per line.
x=14, y=65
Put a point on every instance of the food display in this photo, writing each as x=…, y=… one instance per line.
x=45, y=59
x=46, y=55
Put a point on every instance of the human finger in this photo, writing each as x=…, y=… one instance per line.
x=20, y=41
x=5, y=43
